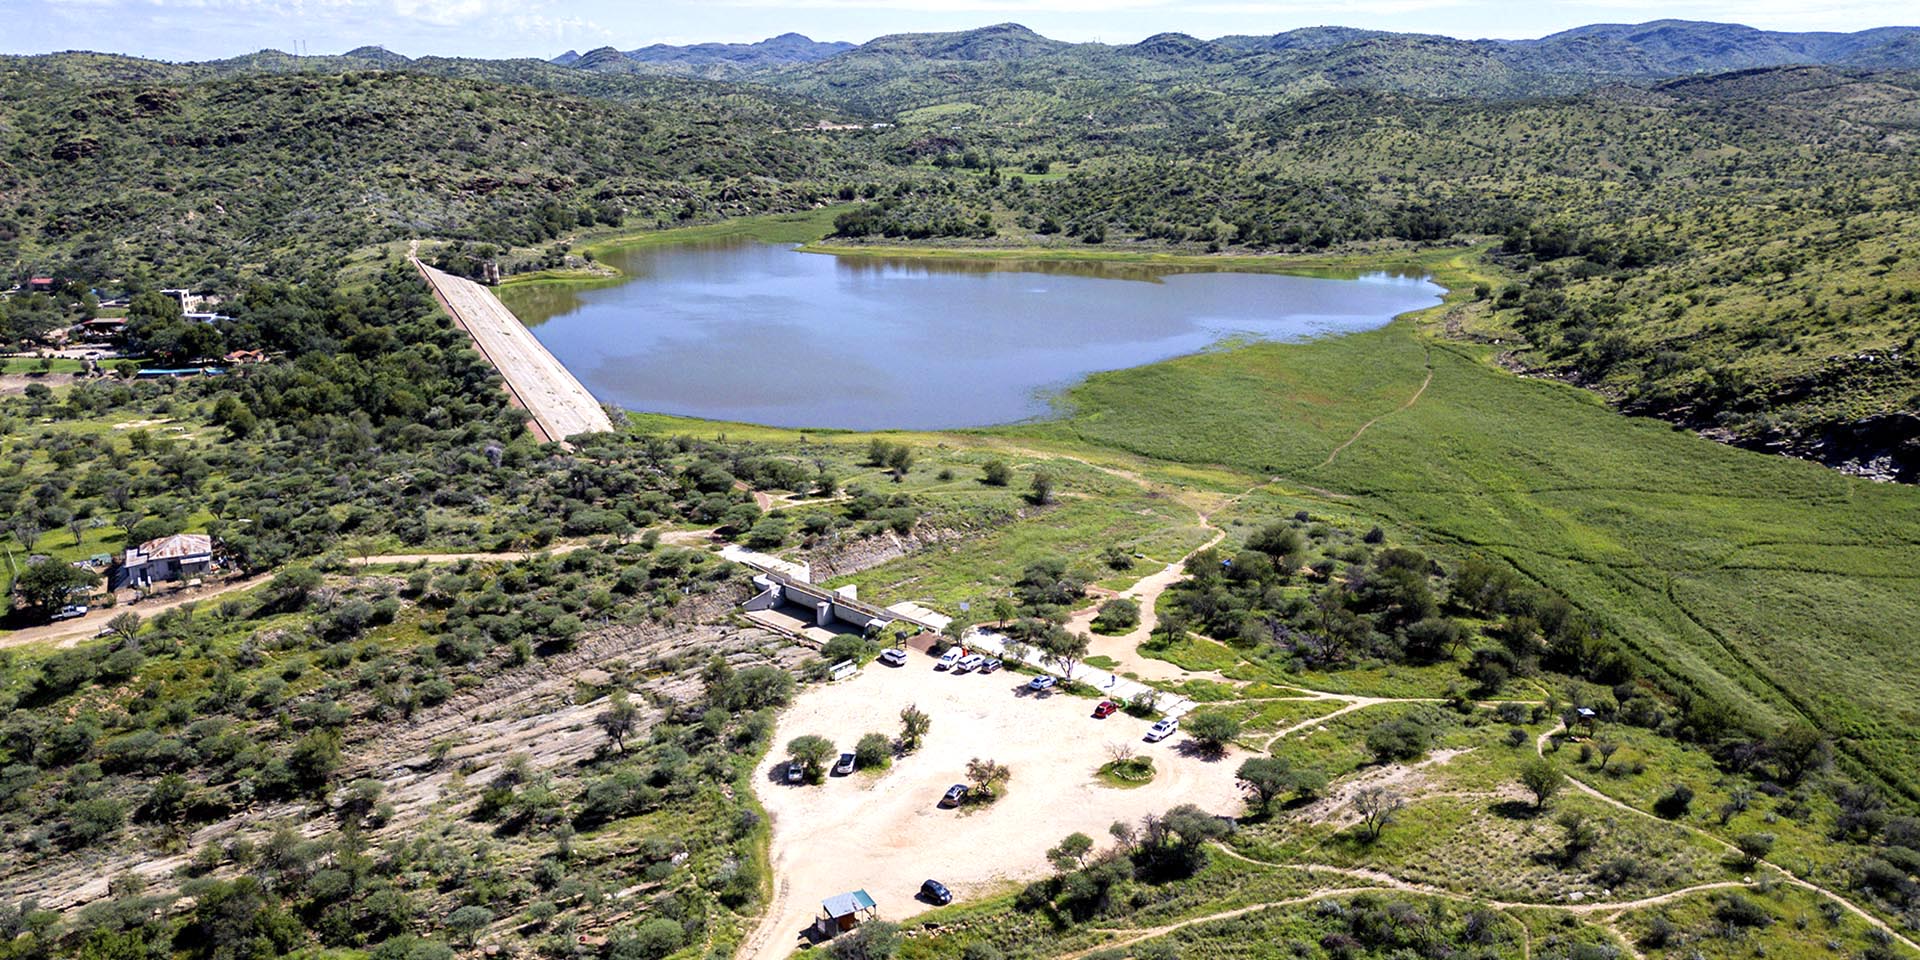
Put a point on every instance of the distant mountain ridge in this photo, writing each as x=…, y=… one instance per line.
x=706, y=59
x=1659, y=48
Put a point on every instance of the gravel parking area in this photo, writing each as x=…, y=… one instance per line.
x=884, y=832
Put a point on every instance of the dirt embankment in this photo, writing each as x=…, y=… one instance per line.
x=844, y=557
x=528, y=710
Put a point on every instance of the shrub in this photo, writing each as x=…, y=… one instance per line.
x=650, y=940
x=1675, y=803
x=1212, y=729
x=1400, y=739
x=873, y=750
x=1117, y=616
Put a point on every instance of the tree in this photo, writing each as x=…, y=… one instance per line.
x=1268, y=778
x=618, y=718
x=873, y=940
x=649, y=940
x=812, y=752
x=873, y=750
x=125, y=626
x=914, y=724
x=1378, y=808
x=1117, y=615
x=1543, y=779
x=1580, y=833
x=1071, y=853
x=1004, y=610
x=468, y=921
x=49, y=583
x=1040, y=492
x=1799, y=749
x=1066, y=649
x=900, y=460
x=996, y=473
x=983, y=774
x=1212, y=729
x=1399, y=739
x=1754, y=846
x=26, y=529
x=1607, y=749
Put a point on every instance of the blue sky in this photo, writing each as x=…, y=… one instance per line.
x=204, y=29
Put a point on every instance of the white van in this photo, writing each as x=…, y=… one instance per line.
x=970, y=663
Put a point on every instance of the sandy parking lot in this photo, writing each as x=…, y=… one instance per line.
x=885, y=832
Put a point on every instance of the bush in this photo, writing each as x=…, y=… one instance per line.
x=1401, y=739
x=1117, y=616
x=873, y=750
x=1675, y=803
x=650, y=940
x=1212, y=729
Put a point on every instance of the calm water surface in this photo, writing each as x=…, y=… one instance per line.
x=765, y=334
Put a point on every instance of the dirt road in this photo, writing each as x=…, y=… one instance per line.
x=66, y=633
x=884, y=832
x=559, y=405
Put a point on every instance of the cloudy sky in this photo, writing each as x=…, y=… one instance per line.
x=204, y=29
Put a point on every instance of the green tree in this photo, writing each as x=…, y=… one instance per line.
x=986, y=774
x=1117, y=616
x=1071, y=852
x=812, y=751
x=125, y=626
x=468, y=921
x=1212, y=729
x=647, y=940
x=914, y=724
x=1754, y=847
x=1040, y=491
x=618, y=718
x=873, y=940
x=1542, y=778
x=996, y=473
x=1066, y=649
x=1268, y=778
x=48, y=583
x=1378, y=807
x=873, y=750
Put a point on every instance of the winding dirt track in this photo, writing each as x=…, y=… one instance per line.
x=1337, y=451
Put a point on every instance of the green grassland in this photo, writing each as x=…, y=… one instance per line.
x=1676, y=542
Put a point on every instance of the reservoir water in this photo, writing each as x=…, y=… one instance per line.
x=765, y=334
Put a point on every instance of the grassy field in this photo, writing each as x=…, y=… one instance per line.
x=1778, y=586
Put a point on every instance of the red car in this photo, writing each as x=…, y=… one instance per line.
x=1105, y=709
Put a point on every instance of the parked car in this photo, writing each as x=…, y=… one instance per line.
x=1162, y=730
x=795, y=772
x=70, y=611
x=992, y=664
x=954, y=795
x=970, y=663
x=893, y=657
x=948, y=659
x=936, y=893
x=1105, y=709
x=1039, y=683
x=845, y=766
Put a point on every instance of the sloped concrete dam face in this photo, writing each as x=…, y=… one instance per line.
x=766, y=334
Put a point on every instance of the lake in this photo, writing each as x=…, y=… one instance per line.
x=763, y=333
